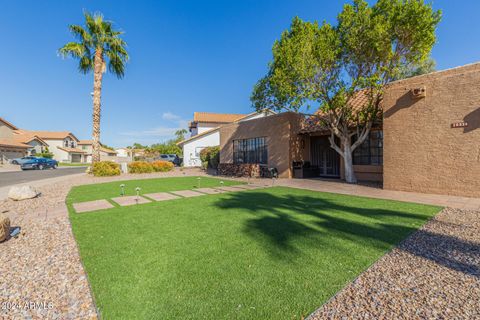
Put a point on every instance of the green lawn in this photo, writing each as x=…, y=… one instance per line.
x=277, y=253
x=66, y=164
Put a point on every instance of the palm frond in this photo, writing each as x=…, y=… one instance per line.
x=73, y=49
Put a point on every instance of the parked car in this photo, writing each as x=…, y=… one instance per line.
x=39, y=164
x=173, y=158
x=22, y=160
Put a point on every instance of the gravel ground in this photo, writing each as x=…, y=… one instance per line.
x=433, y=274
x=42, y=275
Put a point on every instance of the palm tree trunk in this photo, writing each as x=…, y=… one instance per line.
x=97, y=93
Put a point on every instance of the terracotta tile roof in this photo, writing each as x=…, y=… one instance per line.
x=313, y=124
x=56, y=135
x=216, y=117
x=14, y=144
x=106, y=150
x=27, y=137
x=8, y=124
x=85, y=142
x=71, y=150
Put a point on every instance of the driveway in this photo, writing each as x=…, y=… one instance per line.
x=17, y=177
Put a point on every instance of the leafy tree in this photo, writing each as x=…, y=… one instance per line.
x=138, y=146
x=98, y=45
x=325, y=66
x=423, y=67
x=180, y=134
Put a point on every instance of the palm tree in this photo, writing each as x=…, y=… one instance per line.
x=98, y=43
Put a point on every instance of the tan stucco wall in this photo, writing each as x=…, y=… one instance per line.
x=422, y=152
x=280, y=133
x=5, y=131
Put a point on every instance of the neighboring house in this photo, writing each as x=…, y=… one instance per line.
x=63, y=144
x=204, y=131
x=87, y=147
x=124, y=153
x=13, y=145
x=428, y=142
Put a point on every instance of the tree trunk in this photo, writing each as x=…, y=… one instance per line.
x=348, y=161
x=97, y=93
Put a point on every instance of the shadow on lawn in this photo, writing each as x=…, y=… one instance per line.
x=272, y=221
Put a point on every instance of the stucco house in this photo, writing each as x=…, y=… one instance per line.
x=14, y=145
x=204, y=129
x=427, y=142
x=87, y=147
x=63, y=144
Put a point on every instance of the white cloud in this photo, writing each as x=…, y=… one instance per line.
x=169, y=116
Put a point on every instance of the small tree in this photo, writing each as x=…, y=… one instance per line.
x=325, y=66
x=180, y=135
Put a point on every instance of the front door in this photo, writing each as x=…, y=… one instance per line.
x=324, y=157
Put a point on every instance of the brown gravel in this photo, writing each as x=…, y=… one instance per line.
x=434, y=274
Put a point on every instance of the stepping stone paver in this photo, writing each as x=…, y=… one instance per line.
x=161, y=196
x=188, y=193
x=229, y=189
x=130, y=200
x=209, y=190
x=92, y=206
x=249, y=186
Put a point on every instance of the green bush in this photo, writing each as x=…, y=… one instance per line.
x=45, y=154
x=140, y=167
x=210, y=157
x=105, y=169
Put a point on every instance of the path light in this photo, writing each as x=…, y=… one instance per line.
x=122, y=186
x=138, y=193
x=198, y=179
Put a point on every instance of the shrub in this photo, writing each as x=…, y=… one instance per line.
x=210, y=157
x=105, y=169
x=45, y=154
x=140, y=167
x=162, y=166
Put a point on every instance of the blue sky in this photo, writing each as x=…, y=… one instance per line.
x=186, y=56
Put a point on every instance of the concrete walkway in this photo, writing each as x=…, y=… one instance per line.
x=372, y=192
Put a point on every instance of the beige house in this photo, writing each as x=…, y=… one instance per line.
x=87, y=147
x=428, y=142
x=14, y=145
x=63, y=144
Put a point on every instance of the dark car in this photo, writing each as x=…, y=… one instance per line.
x=39, y=164
x=173, y=158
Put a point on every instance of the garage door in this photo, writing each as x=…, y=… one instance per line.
x=10, y=154
x=76, y=158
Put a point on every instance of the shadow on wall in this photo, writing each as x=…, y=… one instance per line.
x=473, y=120
x=285, y=224
x=403, y=102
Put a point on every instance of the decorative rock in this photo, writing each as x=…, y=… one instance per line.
x=22, y=193
x=4, y=227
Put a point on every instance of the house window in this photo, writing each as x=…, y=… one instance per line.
x=250, y=151
x=370, y=152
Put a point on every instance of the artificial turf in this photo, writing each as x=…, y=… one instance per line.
x=276, y=253
x=110, y=190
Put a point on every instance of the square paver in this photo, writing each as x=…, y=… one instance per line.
x=188, y=193
x=92, y=206
x=161, y=196
x=249, y=186
x=209, y=190
x=130, y=200
x=229, y=189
